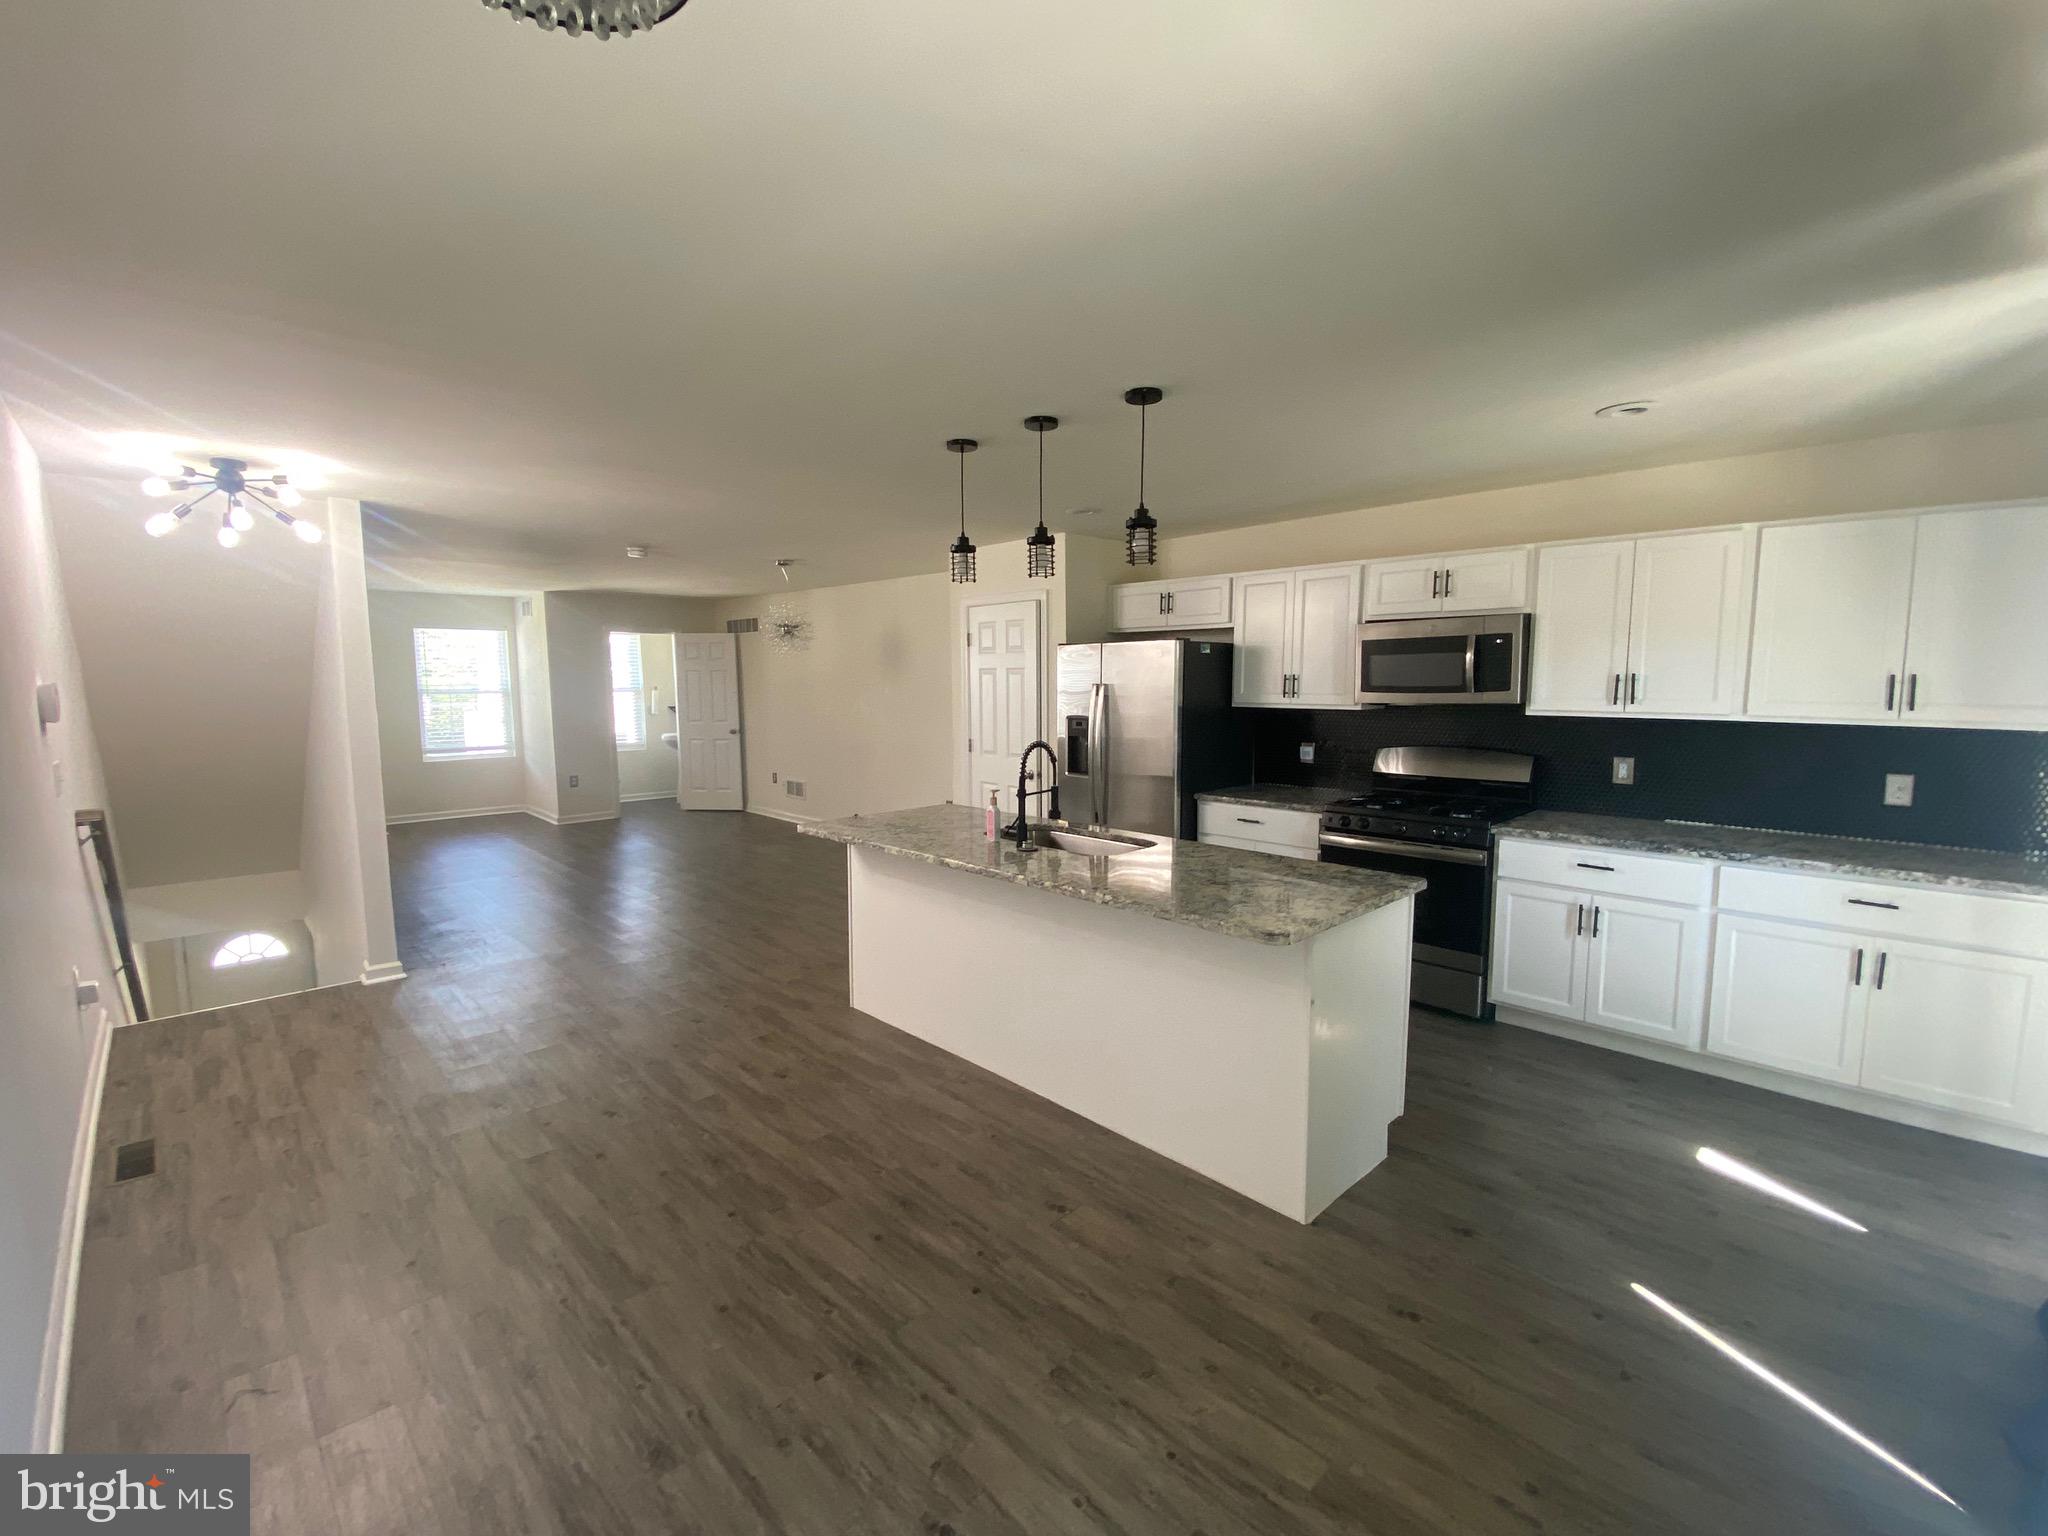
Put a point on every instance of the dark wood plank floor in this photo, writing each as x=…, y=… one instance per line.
x=614, y=1218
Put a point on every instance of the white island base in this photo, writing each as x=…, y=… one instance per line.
x=1274, y=1069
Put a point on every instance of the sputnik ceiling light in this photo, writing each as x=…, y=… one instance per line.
x=1039, y=548
x=602, y=19
x=961, y=555
x=1141, y=533
x=230, y=478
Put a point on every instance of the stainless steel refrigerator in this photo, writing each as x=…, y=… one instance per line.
x=1145, y=726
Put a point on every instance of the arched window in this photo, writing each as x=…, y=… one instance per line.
x=247, y=949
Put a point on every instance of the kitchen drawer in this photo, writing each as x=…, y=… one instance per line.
x=1258, y=824
x=1964, y=918
x=1688, y=882
x=1247, y=845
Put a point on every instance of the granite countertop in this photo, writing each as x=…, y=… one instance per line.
x=1256, y=896
x=1962, y=869
x=1277, y=797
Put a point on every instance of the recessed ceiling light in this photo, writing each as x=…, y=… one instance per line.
x=1626, y=408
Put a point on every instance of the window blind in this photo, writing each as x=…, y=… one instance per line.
x=629, y=718
x=464, y=677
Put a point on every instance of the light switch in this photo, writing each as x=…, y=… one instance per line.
x=1308, y=751
x=1898, y=789
x=1624, y=770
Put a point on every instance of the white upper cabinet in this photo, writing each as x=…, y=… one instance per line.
x=1688, y=646
x=1293, y=635
x=1200, y=602
x=1830, y=635
x=1579, y=635
x=1977, y=642
x=1470, y=581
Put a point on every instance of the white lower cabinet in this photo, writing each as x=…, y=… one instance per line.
x=1960, y=1030
x=1613, y=961
x=1788, y=996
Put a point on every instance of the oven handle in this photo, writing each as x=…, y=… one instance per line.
x=1407, y=850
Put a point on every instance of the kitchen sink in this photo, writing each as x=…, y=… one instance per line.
x=1099, y=845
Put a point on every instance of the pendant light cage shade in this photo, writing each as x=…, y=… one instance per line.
x=1040, y=549
x=601, y=19
x=1141, y=530
x=960, y=555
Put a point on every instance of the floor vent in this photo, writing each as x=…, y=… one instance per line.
x=134, y=1160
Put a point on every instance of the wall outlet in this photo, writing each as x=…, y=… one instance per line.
x=575, y=779
x=1898, y=789
x=1624, y=770
x=1308, y=751
x=794, y=788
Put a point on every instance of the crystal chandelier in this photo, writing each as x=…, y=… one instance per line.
x=602, y=19
x=230, y=478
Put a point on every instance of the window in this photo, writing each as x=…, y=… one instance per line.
x=247, y=949
x=629, y=719
x=465, y=688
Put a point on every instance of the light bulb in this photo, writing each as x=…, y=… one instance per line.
x=239, y=518
x=229, y=536
x=288, y=496
x=310, y=532
x=160, y=524
x=156, y=485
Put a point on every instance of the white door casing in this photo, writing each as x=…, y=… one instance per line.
x=1004, y=716
x=708, y=740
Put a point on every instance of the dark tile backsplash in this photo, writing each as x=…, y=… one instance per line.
x=1973, y=789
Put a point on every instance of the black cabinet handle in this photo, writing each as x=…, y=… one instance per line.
x=1856, y=977
x=1447, y=581
x=1878, y=981
x=1912, y=690
x=1858, y=901
x=1436, y=583
x=1582, y=864
x=1596, y=922
x=1891, y=688
x=1251, y=821
x=1632, y=687
x=1580, y=908
x=1616, y=699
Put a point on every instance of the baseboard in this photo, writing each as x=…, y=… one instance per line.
x=652, y=794
x=569, y=821
x=1836, y=1095
x=53, y=1390
x=762, y=810
x=383, y=971
x=482, y=810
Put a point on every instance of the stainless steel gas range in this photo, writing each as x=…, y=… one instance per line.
x=1431, y=811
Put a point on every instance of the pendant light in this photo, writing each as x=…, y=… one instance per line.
x=1141, y=533
x=961, y=555
x=1039, y=548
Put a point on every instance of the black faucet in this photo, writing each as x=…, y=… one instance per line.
x=1021, y=827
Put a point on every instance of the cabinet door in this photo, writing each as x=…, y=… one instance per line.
x=1977, y=646
x=1259, y=634
x=1579, y=635
x=1830, y=636
x=1394, y=588
x=1141, y=605
x=1688, y=648
x=1789, y=997
x=1959, y=1030
x=1201, y=604
x=1486, y=581
x=1539, y=956
x=1646, y=969
x=1325, y=637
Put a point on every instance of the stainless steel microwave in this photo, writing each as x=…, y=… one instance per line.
x=1479, y=658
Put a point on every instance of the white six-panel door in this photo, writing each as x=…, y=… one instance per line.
x=708, y=724
x=1003, y=714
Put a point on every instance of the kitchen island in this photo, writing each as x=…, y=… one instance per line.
x=1242, y=1014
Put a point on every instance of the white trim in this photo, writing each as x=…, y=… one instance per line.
x=410, y=817
x=789, y=816
x=1839, y=1095
x=648, y=794
x=383, y=971
x=53, y=1391
x=570, y=821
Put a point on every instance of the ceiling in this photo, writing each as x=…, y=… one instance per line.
x=726, y=289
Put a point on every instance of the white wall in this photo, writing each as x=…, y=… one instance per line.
x=653, y=769
x=414, y=787
x=343, y=861
x=51, y=920
x=1995, y=463
x=536, y=708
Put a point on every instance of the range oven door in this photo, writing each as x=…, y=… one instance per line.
x=1452, y=913
x=1473, y=660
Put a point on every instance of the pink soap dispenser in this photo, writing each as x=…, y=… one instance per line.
x=993, y=818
